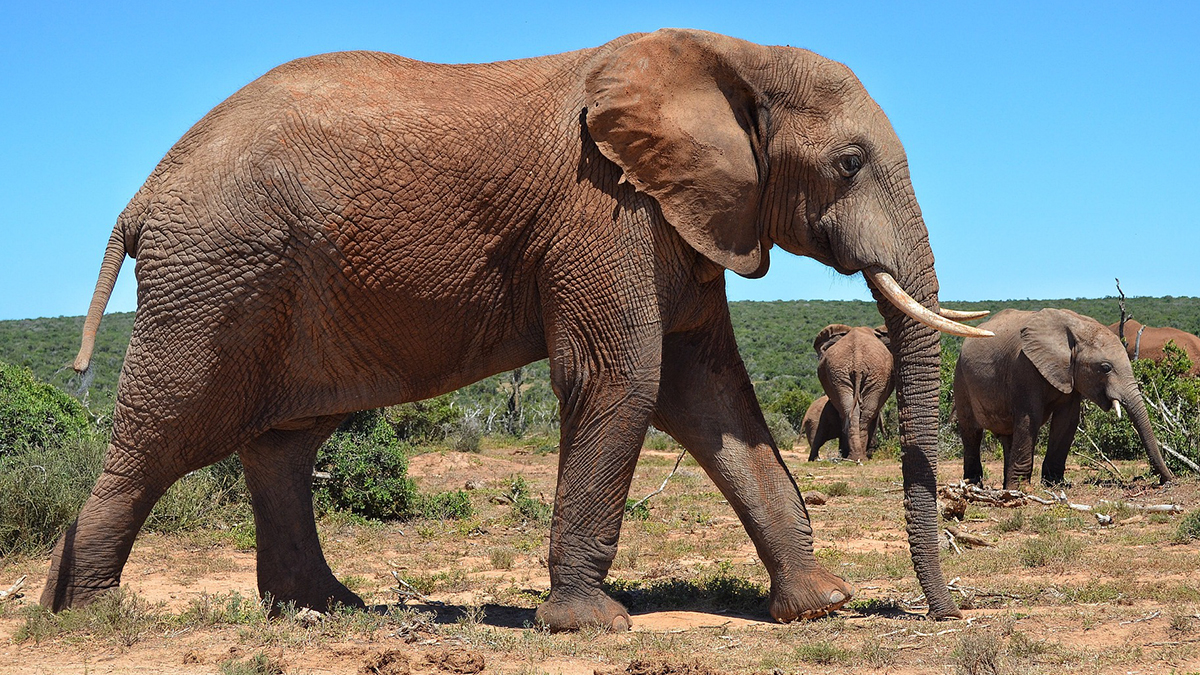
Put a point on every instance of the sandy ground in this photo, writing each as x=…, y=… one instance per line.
x=1121, y=599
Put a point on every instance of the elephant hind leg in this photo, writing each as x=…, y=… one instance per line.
x=140, y=466
x=829, y=427
x=291, y=566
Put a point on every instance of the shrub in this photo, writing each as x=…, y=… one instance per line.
x=35, y=414
x=525, y=506
x=368, y=467
x=781, y=430
x=422, y=421
x=453, y=505
x=792, y=404
x=42, y=489
x=1189, y=528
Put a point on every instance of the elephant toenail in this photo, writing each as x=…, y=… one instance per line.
x=620, y=624
x=836, y=597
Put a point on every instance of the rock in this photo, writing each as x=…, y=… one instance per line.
x=815, y=498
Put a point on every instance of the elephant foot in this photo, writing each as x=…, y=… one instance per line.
x=76, y=588
x=809, y=595
x=575, y=613
x=1055, y=481
x=322, y=596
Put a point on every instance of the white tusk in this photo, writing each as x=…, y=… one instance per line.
x=957, y=315
x=904, y=302
x=1117, y=408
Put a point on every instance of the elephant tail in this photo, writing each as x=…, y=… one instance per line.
x=114, y=256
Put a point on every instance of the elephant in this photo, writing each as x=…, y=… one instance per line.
x=1039, y=366
x=1144, y=342
x=855, y=369
x=820, y=425
x=358, y=229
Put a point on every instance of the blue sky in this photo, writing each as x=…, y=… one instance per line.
x=1053, y=146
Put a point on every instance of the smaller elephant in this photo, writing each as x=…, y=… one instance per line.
x=822, y=424
x=855, y=368
x=1040, y=366
x=1145, y=342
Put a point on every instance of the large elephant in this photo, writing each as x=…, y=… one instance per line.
x=1145, y=342
x=1039, y=366
x=358, y=229
x=855, y=369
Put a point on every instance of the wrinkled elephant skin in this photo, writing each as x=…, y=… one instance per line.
x=359, y=229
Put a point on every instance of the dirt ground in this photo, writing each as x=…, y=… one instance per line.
x=1056, y=592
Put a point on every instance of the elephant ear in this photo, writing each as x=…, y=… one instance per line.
x=1048, y=342
x=881, y=332
x=829, y=336
x=673, y=113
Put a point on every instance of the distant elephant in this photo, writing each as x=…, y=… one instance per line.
x=1040, y=366
x=1144, y=342
x=822, y=424
x=357, y=230
x=855, y=369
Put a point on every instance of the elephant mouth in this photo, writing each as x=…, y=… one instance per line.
x=943, y=320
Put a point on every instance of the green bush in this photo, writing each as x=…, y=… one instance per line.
x=1189, y=528
x=42, y=489
x=453, y=505
x=525, y=506
x=34, y=413
x=792, y=404
x=423, y=421
x=368, y=468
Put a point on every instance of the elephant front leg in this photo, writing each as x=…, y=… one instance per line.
x=706, y=401
x=1063, y=423
x=1018, y=456
x=605, y=404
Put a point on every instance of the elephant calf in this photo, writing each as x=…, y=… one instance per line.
x=1040, y=366
x=855, y=370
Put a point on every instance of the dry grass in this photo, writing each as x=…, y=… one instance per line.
x=1057, y=593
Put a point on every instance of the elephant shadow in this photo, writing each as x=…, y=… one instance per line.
x=749, y=604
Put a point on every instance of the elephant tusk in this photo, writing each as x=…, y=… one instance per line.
x=1117, y=408
x=915, y=310
x=957, y=315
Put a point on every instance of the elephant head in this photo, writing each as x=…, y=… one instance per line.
x=855, y=369
x=745, y=147
x=1077, y=354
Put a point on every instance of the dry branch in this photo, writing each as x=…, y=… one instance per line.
x=1016, y=498
x=968, y=538
x=662, y=487
x=12, y=590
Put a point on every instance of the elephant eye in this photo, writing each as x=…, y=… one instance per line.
x=1106, y=367
x=849, y=164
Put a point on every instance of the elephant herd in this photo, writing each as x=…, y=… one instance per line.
x=1038, y=368
x=358, y=229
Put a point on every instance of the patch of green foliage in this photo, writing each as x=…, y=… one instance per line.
x=42, y=489
x=1189, y=528
x=33, y=413
x=423, y=421
x=368, y=468
x=525, y=506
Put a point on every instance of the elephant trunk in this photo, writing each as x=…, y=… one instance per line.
x=917, y=349
x=1136, y=407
